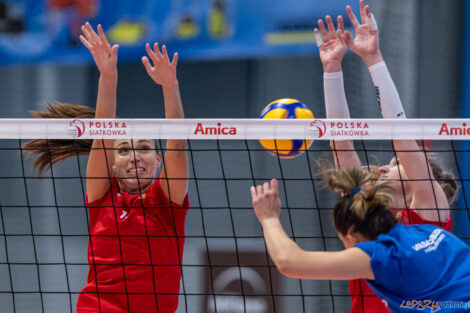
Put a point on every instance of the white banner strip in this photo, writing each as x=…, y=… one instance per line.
x=321, y=129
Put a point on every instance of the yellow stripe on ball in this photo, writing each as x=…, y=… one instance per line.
x=276, y=113
x=303, y=113
x=285, y=101
x=286, y=109
x=278, y=145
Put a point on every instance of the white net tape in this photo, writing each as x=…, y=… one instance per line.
x=322, y=129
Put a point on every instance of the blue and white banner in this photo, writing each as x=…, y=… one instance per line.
x=47, y=30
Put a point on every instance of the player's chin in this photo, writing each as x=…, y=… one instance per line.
x=144, y=183
x=137, y=185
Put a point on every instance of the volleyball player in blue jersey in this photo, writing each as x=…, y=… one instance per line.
x=409, y=267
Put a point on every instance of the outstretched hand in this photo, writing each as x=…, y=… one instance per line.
x=163, y=71
x=104, y=55
x=266, y=201
x=332, y=45
x=366, y=40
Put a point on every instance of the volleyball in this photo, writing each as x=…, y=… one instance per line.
x=286, y=109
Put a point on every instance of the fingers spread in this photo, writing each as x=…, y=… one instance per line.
x=348, y=38
x=174, y=62
x=331, y=27
x=85, y=32
x=165, y=54
x=352, y=17
x=93, y=36
x=254, y=196
x=340, y=23
x=157, y=51
x=318, y=38
x=150, y=53
x=323, y=32
x=102, y=36
x=363, y=12
x=114, y=51
x=274, y=186
x=372, y=22
x=265, y=188
x=86, y=43
x=147, y=65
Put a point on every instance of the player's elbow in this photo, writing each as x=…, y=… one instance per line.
x=286, y=262
x=284, y=265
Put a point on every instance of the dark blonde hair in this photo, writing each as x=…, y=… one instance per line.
x=52, y=151
x=444, y=178
x=364, y=206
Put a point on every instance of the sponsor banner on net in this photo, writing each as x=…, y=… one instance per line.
x=320, y=129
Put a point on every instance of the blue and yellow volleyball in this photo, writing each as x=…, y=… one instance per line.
x=285, y=109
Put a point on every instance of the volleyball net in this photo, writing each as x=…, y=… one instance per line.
x=44, y=229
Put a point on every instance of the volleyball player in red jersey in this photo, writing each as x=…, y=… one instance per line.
x=421, y=190
x=136, y=231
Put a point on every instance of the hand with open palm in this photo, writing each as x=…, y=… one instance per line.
x=366, y=40
x=334, y=46
x=163, y=71
x=103, y=53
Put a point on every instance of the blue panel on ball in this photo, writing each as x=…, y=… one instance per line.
x=297, y=144
x=290, y=107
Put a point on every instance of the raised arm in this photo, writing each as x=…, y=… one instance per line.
x=366, y=45
x=291, y=260
x=332, y=46
x=427, y=194
x=174, y=179
x=415, y=165
x=100, y=161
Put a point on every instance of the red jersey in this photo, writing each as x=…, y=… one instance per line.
x=363, y=298
x=134, y=254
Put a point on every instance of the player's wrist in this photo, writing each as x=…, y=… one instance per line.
x=109, y=78
x=332, y=67
x=170, y=86
x=373, y=59
x=271, y=221
x=109, y=75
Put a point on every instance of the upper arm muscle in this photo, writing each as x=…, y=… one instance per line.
x=174, y=178
x=348, y=264
x=427, y=193
x=99, y=169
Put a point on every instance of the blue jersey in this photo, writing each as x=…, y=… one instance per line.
x=420, y=268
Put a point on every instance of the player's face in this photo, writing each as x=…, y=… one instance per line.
x=395, y=174
x=135, y=164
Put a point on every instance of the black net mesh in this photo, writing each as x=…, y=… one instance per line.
x=44, y=234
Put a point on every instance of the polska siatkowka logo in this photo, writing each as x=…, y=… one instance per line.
x=318, y=128
x=339, y=128
x=79, y=128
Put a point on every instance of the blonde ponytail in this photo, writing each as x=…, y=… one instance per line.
x=364, y=206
